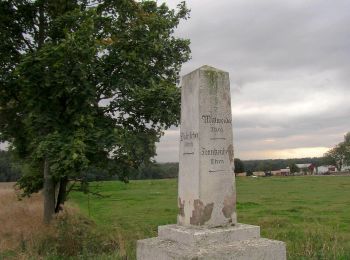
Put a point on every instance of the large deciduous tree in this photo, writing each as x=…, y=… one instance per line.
x=86, y=83
x=340, y=154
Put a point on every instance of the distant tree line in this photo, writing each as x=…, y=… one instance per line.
x=170, y=170
x=156, y=171
x=277, y=164
x=144, y=172
x=9, y=170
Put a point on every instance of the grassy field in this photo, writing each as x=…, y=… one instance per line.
x=311, y=214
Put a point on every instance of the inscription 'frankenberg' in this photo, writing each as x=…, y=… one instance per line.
x=214, y=151
x=208, y=119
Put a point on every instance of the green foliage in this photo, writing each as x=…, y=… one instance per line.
x=87, y=85
x=157, y=171
x=294, y=168
x=71, y=236
x=249, y=173
x=10, y=170
x=74, y=235
x=239, y=166
x=340, y=154
x=347, y=149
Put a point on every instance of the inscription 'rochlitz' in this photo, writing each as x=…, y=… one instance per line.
x=188, y=136
x=208, y=119
x=215, y=151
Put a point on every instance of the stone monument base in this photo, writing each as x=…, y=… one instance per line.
x=236, y=242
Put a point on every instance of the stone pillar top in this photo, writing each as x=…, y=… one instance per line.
x=208, y=67
x=207, y=194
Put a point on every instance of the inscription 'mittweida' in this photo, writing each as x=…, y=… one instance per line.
x=208, y=119
x=207, y=193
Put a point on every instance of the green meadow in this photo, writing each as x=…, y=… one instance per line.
x=310, y=213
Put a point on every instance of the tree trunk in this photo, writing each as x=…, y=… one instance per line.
x=61, y=198
x=49, y=194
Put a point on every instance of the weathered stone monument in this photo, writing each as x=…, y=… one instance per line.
x=207, y=225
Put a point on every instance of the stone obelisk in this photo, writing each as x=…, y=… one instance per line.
x=207, y=193
x=207, y=225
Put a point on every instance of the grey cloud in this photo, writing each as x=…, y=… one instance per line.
x=292, y=35
x=289, y=64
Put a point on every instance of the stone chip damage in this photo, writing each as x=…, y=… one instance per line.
x=229, y=206
x=230, y=153
x=181, y=206
x=201, y=213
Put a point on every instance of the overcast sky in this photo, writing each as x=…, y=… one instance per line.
x=289, y=65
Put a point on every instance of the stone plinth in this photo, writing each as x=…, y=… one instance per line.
x=204, y=236
x=238, y=242
x=207, y=195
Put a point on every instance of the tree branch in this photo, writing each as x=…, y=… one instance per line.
x=27, y=43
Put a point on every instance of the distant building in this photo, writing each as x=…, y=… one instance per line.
x=241, y=174
x=285, y=172
x=306, y=168
x=281, y=172
x=298, y=173
x=326, y=169
x=276, y=173
x=345, y=168
x=259, y=174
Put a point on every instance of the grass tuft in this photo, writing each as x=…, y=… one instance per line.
x=70, y=236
